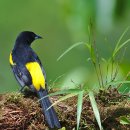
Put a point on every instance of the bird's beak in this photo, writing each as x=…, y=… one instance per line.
x=38, y=37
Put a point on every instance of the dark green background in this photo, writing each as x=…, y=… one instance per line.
x=62, y=23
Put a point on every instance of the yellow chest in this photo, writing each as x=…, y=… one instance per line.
x=35, y=71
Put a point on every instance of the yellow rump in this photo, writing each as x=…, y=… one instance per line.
x=35, y=71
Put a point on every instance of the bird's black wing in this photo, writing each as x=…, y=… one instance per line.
x=22, y=76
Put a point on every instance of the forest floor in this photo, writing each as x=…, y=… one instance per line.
x=19, y=112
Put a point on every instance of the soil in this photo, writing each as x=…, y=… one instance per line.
x=20, y=112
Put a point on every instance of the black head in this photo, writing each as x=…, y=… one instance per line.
x=27, y=37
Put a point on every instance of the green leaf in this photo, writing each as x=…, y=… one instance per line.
x=95, y=109
x=79, y=107
x=124, y=120
x=70, y=48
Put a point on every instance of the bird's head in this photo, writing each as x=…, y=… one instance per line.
x=27, y=37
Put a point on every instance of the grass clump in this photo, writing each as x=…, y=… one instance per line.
x=107, y=85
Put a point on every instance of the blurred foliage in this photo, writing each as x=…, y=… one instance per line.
x=62, y=23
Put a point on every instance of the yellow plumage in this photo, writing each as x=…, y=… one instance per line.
x=11, y=59
x=35, y=71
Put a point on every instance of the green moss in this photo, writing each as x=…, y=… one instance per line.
x=14, y=97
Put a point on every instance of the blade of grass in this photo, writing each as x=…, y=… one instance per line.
x=95, y=109
x=107, y=69
x=118, y=48
x=79, y=107
x=58, y=78
x=126, y=30
x=119, y=60
x=124, y=91
x=53, y=83
x=70, y=48
x=124, y=120
x=112, y=68
x=63, y=98
x=62, y=92
x=99, y=67
x=94, y=62
x=117, y=82
x=124, y=80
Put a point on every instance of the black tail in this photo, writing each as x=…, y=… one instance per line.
x=50, y=114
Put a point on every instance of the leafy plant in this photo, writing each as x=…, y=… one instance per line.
x=124, y=120
x=96, y=61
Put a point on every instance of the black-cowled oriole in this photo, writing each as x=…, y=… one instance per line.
x=29, y=71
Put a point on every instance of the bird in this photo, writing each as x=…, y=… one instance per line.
x=28, y=71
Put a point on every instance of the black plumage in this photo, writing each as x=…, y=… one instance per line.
x=29, y=71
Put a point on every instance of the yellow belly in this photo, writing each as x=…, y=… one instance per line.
x=38, y=79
